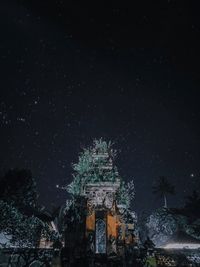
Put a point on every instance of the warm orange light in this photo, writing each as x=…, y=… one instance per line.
x=90, y=222
x=111, y=226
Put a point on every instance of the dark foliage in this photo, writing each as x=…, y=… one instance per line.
x=21, y=219
x=18, y=187
x=148, y=244
x=192, y=205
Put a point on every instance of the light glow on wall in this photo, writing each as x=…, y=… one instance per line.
x=182, y=246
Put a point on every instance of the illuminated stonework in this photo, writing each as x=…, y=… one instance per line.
x=99, y=216
x=101, y=194
x=102, y=208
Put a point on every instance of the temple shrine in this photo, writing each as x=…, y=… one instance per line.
x=103, y=225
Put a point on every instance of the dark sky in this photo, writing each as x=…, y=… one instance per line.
x=71, y=73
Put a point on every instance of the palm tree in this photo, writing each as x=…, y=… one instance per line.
x=163, y=188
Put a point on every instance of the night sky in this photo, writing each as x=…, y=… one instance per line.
x=71, y=73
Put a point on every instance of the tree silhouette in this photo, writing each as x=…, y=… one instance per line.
x=163, y=188
x=148, y=244
x=17, y=186
x=192, y=205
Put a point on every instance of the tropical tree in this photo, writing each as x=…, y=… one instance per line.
x=23, y=233
x=162, y=188
x=20, y=222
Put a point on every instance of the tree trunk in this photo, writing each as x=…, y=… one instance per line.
x=165, y=201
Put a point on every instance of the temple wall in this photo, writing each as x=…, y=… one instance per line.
x=111, y=226
x=90, y=222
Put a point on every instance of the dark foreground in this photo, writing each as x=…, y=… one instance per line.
x=138, y=257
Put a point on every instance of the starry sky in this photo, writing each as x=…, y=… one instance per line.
x=72, y=72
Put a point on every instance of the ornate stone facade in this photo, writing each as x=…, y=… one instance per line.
x=99, y=217
x=107, y=230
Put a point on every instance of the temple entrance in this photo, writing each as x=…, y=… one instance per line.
x=100, y=236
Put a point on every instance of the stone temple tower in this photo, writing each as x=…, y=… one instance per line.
x=107, y=225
